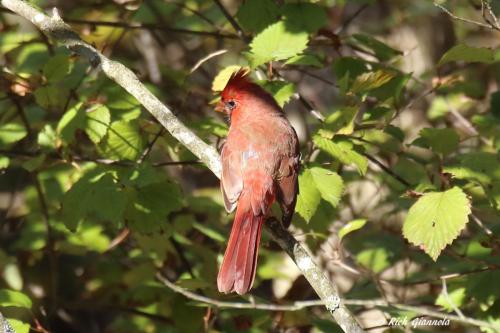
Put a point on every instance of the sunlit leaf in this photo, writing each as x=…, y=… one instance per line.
x=436, y=219
x=123, y=141
x=14, y=298
x=351, y=226
x=343, y=151
x=277, y=42
x=309, y=196
x=11, y=132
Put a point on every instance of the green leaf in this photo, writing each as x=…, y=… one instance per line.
x=381, y=50
x=11, y=132
x=305, y=60
x=220, y=80
x=277, y=42
x=436, y=219
x=47, y=138
x=12, y=276
x=97, y=120
x=11, y=40
x=453, y=299
x=149, y=206
x=466, y=53
x=255, y=15
x=328, y=183
x=343, y=151
x=376, y=259
x=56, y=68
x=351, y=226
x=482, y=167
x=123, y=141
x=94, y=195
x=341, y=121
x=14, y=298
x=209, y=232
x=51, y=97
x=210, y=126
x=72, y=120
x=282, y=91
x=4, y=162
x=307, y=17
x=371, y=80
x=441, y=140
x=19, y=326
x=309, y=196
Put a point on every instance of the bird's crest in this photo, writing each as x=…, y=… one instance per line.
x=237, y=81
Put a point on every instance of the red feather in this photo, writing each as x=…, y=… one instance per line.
x=260, y=162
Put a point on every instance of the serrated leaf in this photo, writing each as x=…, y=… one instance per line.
x=220, y=80
x=440, y=140
x=277, y=42
x=328, y=183
x=97, y=120
x=56, y=68
x=11, y=132
x=255, y=15
x=123, y=141
x=436, y=219
x=95, y=196
x=14, y=298
x=466, y=53
x=351, y=226
x=309, y=196
x=307, y=17
x=343, y=151
x=72, y=120
x=282, y=91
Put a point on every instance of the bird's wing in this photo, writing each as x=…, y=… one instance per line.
x=232, y=181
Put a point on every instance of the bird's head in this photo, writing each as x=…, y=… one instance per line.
x=235, y=91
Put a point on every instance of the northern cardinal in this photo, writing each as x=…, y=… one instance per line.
x=260, y=164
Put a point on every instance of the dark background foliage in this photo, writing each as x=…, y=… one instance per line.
x=397, y=107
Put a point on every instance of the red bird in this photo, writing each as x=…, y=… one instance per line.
x=260, y=164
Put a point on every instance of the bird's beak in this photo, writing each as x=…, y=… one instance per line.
x=219, y=107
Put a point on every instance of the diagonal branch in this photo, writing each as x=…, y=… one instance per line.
x=54, y=27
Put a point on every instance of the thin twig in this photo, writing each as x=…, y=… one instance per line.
x=154, y=27
x=299, y=305
x=232, y=21
x=208, y=57
x=466, y=20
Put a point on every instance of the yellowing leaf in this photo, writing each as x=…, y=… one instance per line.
x=436, y=219
x=220, y=81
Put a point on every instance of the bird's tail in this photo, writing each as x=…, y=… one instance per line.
x=237, y=272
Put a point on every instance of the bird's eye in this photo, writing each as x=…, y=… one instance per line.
x=230, y=104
